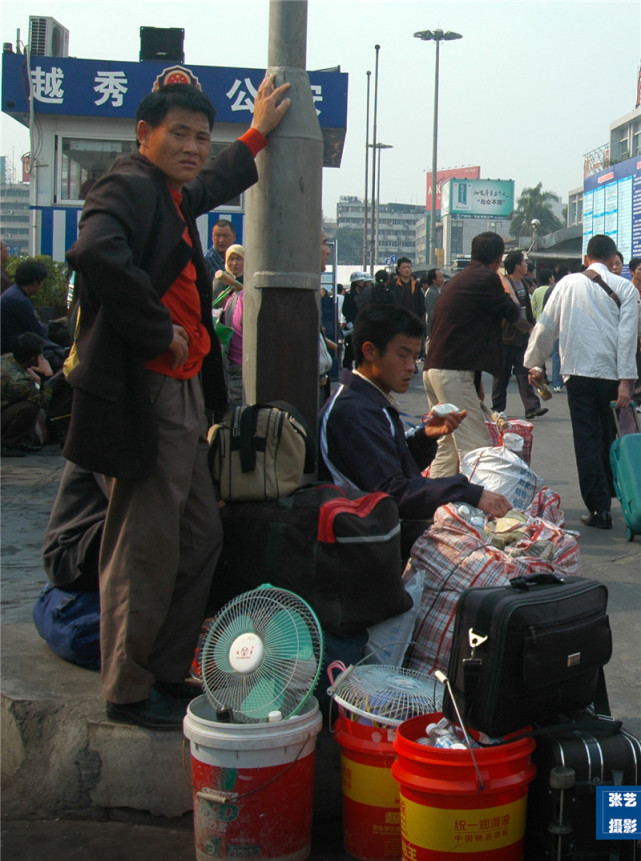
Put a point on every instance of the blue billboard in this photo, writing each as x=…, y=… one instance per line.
x=612, y=205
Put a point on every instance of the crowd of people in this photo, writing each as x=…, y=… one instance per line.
x=152, y=365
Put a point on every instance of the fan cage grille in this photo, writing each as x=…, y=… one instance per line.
x=288, y=672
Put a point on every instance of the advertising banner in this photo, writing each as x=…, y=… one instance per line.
x=478, y=198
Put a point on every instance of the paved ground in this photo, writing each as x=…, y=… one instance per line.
x=28, y=488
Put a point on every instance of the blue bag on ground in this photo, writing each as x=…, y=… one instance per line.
x=69, y=623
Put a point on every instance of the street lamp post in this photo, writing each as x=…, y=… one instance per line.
x=365, y=254
x=437, y=36
x=378, y=147
x=377, y=48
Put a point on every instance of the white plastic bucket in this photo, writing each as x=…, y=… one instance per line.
x=253, y=784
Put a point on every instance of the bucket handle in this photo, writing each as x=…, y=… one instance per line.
x=218, y=797
x=443, y=679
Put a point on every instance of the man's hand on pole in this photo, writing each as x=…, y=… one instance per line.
x=269, y=106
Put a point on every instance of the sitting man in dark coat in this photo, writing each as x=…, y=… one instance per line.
x=363, y=442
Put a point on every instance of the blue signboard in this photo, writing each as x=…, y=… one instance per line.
x=617, y=812
x=66, y=86
x=612, y=205
x=105, y=88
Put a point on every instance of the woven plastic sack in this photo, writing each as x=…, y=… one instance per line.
x=518, y=426
x=502, y=471
x=455, y=556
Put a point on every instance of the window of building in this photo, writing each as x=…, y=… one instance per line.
x=82, y=161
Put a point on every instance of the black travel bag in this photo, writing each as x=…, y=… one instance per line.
x=341, y=554
x=528, y=651
x=562, y=807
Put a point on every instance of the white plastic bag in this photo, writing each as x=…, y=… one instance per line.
x=388, y=640
x=502, y=471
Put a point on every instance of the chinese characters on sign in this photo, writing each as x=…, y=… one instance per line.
x=47, y=86
x=244, y=92
x=617, y=812
x=112, y=86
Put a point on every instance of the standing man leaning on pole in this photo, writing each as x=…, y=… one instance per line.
x=149, y=368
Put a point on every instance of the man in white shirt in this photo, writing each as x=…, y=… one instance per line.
x=596, y=318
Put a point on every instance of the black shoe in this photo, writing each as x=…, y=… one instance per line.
x=158, y=711
x=532, y=414
x=11, y=452
x=598, y=519
x=183, y=692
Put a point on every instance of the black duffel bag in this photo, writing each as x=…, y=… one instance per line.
x=342, y=555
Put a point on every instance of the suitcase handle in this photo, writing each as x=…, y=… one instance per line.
x=539, y=579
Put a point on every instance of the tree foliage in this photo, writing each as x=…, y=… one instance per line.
x=350, y=246
x=535, y=203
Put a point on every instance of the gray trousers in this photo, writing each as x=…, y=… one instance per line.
x=161, y=541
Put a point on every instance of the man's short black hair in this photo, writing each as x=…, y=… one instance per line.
x=634, y=263
x=380, y=324
x=561, y=270
x=224, y=222
x=601, y=248
x=402, y=260
x=30, y=271
x=154, y=107
x=487, y=247
x=545, y=275
x=512, y=260
x=28, y=346
x=431, y=275
x=619, y=255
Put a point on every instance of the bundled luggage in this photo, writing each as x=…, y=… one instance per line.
x=455, y=556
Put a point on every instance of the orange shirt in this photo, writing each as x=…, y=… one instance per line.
x=183, y=303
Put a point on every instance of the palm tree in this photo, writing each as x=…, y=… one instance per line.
x=534, y=203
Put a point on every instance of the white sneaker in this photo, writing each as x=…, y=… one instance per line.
x=557, y=389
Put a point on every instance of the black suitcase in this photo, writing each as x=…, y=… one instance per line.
x=562, y=807
x=528, y=651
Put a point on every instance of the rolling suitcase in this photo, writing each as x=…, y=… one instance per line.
x=562, y=799
x=528, y=651
x=625, y=460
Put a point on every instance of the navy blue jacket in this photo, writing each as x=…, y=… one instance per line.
x=364, y=447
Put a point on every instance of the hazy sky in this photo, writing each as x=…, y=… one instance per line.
x=530, y=88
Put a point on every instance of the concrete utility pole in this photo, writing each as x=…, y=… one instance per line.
x=283, y=235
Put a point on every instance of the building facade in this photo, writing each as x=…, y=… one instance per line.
x=84, y=113
x=395, y=229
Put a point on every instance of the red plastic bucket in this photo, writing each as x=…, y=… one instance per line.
x=253, y=784
x=371, y=819
x=445, y=812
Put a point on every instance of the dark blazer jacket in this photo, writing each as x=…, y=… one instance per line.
x=130, y=250
x=466, y=326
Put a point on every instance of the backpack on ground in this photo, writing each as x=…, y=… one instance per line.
x=260, y=453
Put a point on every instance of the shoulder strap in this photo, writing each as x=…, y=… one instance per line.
x=594, y=276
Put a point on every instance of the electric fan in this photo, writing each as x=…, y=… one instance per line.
x=386, y=695
x=262, y=655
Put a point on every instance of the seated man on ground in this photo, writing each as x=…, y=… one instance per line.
x=363, y=442
x=26, y=388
